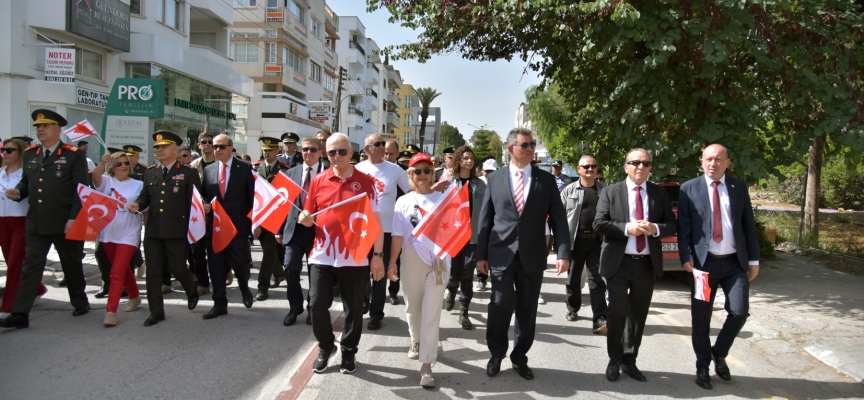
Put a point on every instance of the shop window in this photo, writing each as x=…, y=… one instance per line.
x=245, y=52
x=88, y=64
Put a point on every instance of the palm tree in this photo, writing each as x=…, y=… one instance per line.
x=425, y=97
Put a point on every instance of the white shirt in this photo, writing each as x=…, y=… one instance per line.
x=126, y=226
x=406, y=206
x=227, y=172
x=386, y=176
x=631, y=204
x=52, y=148
x=727, y=245
x=526, y=179
x=9, y=207
x=312, y=172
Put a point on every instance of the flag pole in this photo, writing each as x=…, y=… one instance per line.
x=341, y=203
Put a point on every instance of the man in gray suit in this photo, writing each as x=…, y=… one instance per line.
x=512, y=245
x=717, y=235
x=632, y=216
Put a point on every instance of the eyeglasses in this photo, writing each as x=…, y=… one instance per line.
x=122, y=163
x=221, y=146
x=310, y=149
x=341, y=152
x=526, y=145
x=185, y=155
x=423, y=171
x=378, y=144
x=206, y=142
x=9, y=150
x=636, y=163
x=592, y=166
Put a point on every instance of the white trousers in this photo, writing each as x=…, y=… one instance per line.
x=422, y=303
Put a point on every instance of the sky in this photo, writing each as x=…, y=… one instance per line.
x=473, y=92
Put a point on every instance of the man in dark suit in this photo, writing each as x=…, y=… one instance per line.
x=717, y=235
x=52, y=172
x=632, y=216
x=230, y=181
x=511, y=244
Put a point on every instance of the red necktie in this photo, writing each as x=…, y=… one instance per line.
x=222, y=180
x=715, y=213
x=640, y=215
x=306, y=186
x=519, y=192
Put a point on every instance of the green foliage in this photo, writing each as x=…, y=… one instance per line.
x=425, y=96
x=766, y=248
x=841, y=187
x=485, y=143
x=450, y=137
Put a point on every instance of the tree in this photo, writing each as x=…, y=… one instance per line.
x=425, y=97
x=486, y=143
x=766, y=79
x=496, y=146
x=450, y=136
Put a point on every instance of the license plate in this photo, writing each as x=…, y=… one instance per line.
x=669, y=246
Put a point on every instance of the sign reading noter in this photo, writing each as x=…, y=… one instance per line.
x=60, y=65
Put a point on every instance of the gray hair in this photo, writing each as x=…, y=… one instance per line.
x=313, y=140
x=367, y=141
x=230, y=142
x=339, y=137
x=584, y=156
x=637, y=150
x=515, y=132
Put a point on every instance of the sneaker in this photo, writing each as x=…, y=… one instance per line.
x=599, y=326
x=414, y=351
x=110, y=319
x=133, y=304
x=540, y=299
x=324, y=357
x=481, y=286
x=426, y=379
x=166, y=289
x=348, y=365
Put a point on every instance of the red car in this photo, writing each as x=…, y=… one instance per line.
x=671, y=260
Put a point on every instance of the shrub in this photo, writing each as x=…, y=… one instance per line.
x=766, y=248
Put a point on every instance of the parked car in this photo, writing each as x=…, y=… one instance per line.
x=671, y=260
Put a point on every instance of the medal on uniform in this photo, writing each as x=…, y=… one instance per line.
x=59, y=173
x=176, y=189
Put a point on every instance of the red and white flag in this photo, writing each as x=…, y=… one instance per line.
x=223, y=229
x=267, y=208
x=354, y=227
x=197, y=221
x=701, y=287
x=97, y=211
x=286, y=186
x=446, y=228
x=80, y=131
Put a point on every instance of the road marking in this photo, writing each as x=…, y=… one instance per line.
x=770, y=397
x=303, y=374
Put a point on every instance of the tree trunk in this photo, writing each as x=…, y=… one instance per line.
x=424, y=115
x=811, y=204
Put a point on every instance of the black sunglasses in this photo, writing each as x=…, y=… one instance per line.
x=636, y=163
x=310, y=149
x=341, y=152
x=526, y=145
x=185, y=155
x=122, y=163
x=378, y=144
x=206, y=142
x=9, y=150
x=221, y=146
x=592, y=166
x=423, y=171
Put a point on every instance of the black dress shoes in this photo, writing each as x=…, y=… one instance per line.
x=309, y=318
x=262, y=295
x=102, y=293
x=215, y=312
x=374, y=325
x=62, y=283
x=192, y=301
x=394, y=300
x=571, y=316
x=450, y=300
x=154, y=319
x=493, y=366
x=629, y=368
x=17, y=321
x=524, y=371
x=290, y=319
x=247, y=298
x=703, y=378
x=613, y=371
x=365, y=305
x=81, y=311
x=721, y=368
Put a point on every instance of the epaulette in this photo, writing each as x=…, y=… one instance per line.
x=257, y=163
x=143, y=165
x=186, y=165
x=284, y=165
x=32, y=147
x=151, y=167
x=70, y=147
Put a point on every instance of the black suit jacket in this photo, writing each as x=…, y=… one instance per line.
x=695, y=227
x=239, y=195
x=503, y=231
x=613, y=215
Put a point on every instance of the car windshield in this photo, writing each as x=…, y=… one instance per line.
x=672, y=191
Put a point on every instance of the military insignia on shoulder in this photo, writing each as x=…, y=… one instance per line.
x=33, y=147
x=143, y=165
x=151, y=167
x=256, y=163
x=284, y=165
x=70, y=147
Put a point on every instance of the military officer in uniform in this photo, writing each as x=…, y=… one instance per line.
x=404, y=157
x=138, y=169
x=52, y=172
x=167, y=191
x=271, y=244
x=289, y=154
x=445, y=166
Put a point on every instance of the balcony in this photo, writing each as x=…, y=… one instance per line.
x=356, y=111
x=370, y=92
x=354, y=45
x=275, y=14
x=272, y=69
x=332, y=20
x=392, y=118
x=372, y=65
x=393, y=98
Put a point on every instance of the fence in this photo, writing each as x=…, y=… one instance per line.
x=841, y=233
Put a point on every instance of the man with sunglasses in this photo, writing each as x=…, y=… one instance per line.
x=271, y=242
x=387, y=177
x=184, y=156
x=202, y=274
x=580, y=201
x=632, y=216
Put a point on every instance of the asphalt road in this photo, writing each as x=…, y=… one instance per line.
x=248, y=354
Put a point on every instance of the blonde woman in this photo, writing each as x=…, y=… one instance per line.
x=424, y=276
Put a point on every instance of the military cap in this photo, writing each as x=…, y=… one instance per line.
x=162, y=138
x=362, y=152
x=113, y=150
x=557, y=163
x=25, y=139
x=269, y=143
x=132, y=149
x=355, y=158
x=449, y=151
x=42, y=116
x=290, y=137
x=413, y=149
x=405, y=155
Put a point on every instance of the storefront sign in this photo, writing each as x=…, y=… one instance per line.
x=137, y=97
x=90, y=97
x=121, y=131
x=202, y=109
x=60, y=65
x=105, y=21
x=319, y=111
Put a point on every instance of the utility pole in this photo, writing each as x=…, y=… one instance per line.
x=342, y=73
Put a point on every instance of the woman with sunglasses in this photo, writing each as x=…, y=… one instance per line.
x=120, y=238
x=13, y=219
x=424, y=275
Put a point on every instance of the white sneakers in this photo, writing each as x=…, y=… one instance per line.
x=426, y=379
x=110, y=319
x=414, y=351
x=540, y=299
x=133, y=304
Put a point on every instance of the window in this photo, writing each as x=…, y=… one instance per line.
x=298, y=12
x=315, y=72
x=244, y=3
x=407, y=120
x=408, y=101
x=88, y=63
x=269, y=52
x=170, y=12
x=328, y=83
x=245, y=52
x=270, y=33
x=316, y=29
x=293, y=59
x=244, y=35
x=135, y=7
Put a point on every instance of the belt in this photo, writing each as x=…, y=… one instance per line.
x=586, y=235
x=712, y=255
x=637, y=256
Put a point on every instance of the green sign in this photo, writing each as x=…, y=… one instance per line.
x=135, y=97
x=202, y=109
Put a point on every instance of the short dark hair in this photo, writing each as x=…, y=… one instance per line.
x=83, y=142
x=203, y=135
x=187, y=148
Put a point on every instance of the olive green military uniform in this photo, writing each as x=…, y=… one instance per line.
x=270, y=265
x=169, y=196
x=138, y=172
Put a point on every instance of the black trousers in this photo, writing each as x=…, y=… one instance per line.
x=728, y=274
x=190, y=259
x=462, y=274
x=167, y=254
x=513, y=289
x=270, y=265
x=200, y=268
x=378, y=290
x=236, y=256
x=69, y=251
x=352, y=284
x=586, y=254
x=630, y=293
x=300, y=245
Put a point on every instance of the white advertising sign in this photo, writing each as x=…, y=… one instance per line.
x=90, y=97
x=60, y=65
x=319, y=111
x=121, y=130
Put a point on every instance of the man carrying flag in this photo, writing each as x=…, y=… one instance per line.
x=271, y=243
x=331, y=260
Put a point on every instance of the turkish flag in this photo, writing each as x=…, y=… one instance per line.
x=197, y=221
x=446, y=228
x=354, y=227
x=267, y=210
x=223, y=229
x=97, y=211
x=80, y=131
x=286, y=186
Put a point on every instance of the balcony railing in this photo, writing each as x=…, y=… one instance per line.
x=355, y=110
x=272, y=69
x=294, y=41
x=372, y=65
x=275, y=14
x=354, y=45
x=370, y=92
x=332, y=18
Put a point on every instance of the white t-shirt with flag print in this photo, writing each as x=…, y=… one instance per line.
x=126, y=226
x=386, y=177
x=415, y=205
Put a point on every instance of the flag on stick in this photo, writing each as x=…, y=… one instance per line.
x=223, y=229
x=97, y=211
x=197, y=221
x=446, y=228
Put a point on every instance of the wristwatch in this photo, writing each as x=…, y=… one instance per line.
x=378, y=254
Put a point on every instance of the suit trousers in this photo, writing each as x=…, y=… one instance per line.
x=200, y=269
x=69, y=251
x=13, y=244
x=167, y=254
x=422, y=304
x=236, y=256
x=462, y=274
x=513, y=289
x=586, y=254
x=351, y=282
x=728, y=274
x=190, y=259
x=630, y=293
x=300, y=245
x=378, y=290
x=270, y=265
